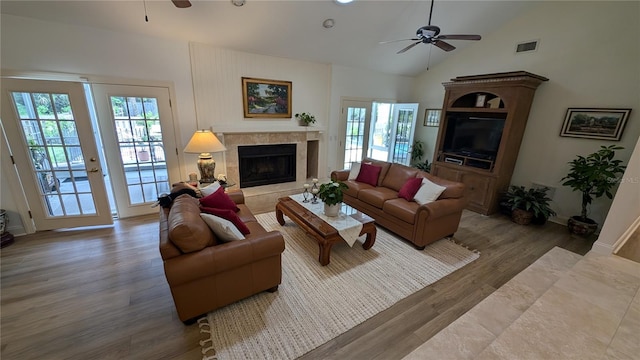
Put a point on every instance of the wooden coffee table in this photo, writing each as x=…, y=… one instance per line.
x=325, y=234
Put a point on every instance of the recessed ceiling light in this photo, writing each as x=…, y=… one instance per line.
x=328, y=24
x=238, y=2
x=343, y=1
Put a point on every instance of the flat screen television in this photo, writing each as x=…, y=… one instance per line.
x=473, y=136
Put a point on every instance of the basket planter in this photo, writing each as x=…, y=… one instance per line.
x=521, y=217
x=582, y=228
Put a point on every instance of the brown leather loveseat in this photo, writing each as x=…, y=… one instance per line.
x=419, y=224
x=220, y=273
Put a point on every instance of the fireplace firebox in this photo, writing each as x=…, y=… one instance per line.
x=266, y=164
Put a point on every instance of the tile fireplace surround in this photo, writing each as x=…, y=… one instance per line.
x=263, y=198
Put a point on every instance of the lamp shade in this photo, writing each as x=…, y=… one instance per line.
x=204, y=141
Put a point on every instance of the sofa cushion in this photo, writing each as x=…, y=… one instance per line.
x=245, y=214
x=219, y=200
x=223, y=228
x=410, y=188
x=397, y=176
x=428, y=192
x=355, y=187
x=455, y=190
x=369, y=174
x=383, y=165
x=377, y=196
x=228, y=215
x=401, y=209
x=186, y=229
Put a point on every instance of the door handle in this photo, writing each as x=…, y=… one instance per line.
x=94, y=170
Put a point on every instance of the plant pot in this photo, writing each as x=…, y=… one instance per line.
x=581, y=227
x=521, y=217
x=332, y=210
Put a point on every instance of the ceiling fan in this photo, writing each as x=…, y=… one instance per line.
x=430, y=34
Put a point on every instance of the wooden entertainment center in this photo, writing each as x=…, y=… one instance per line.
x=483, y=121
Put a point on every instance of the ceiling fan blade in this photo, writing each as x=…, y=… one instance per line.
x=392, y=41
x=443, y=45
x=409, y=47
x=181, y=3
x=460, y=37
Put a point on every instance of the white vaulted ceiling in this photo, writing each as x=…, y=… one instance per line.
x=291, y=29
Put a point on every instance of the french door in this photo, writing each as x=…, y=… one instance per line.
x=382, y=131
x=51, y=139
x=136, y=124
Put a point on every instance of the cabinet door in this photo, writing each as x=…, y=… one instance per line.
x=479, y=190
x=447, y=173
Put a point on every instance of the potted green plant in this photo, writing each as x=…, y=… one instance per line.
x=528, y=204
x=594, y=176
x=305, y=119
x=417, y=152
x=332, y=194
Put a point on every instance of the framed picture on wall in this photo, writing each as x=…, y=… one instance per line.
x=603, y=124
x=432, y=117
x=266, y=98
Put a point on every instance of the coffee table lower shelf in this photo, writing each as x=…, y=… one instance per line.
x=325, y=234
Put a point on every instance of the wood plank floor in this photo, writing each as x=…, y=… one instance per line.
x=101, y=294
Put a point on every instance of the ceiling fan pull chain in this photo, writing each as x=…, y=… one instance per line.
x=144, y=3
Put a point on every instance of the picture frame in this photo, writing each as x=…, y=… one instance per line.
x=432, y=117
x=595, y=123
x=481, y=99
x=263, y=98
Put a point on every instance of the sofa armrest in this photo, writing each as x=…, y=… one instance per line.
x=442, y=207
x=340, y=175
x=237, y=196
x=217, y=259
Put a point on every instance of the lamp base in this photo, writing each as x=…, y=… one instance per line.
x=207, y=167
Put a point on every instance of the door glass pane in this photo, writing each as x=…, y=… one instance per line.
x=49, y=130
x=380, y=132
x=139, y=136
x=354, y=142
x=403, y=134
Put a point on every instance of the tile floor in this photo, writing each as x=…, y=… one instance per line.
x=563, y=306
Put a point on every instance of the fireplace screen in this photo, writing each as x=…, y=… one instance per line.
x=267, y=164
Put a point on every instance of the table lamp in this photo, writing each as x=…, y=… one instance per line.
x=204, y=142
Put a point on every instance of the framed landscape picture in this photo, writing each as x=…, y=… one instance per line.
x=603, y=124
x=266, y=98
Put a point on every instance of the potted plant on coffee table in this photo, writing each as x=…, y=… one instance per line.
x=594, y=175
x=528, y=205
x=332, y=194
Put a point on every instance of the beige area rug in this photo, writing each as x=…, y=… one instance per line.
x=314, y=304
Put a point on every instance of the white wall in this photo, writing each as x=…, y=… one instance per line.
x=217, y=82
x=590, y=51
x=347, y=82
x=625, y=208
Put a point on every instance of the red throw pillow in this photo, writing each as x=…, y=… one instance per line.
x=229, y=215
x=369, y=174
x=219, y=200
x=410, y=188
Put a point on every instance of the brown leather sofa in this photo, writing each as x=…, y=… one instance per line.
x=221, y=273
x=419, y=224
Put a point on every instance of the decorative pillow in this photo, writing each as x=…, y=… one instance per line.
x=369, y=174
x=410, y=188
x=187, y=231
x=428, y=192
x=219, y=200
x=210, y=189
x=355, y=170
x=223, y=228
x=228, y=215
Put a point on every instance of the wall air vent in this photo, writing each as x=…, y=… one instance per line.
x=528, y=46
